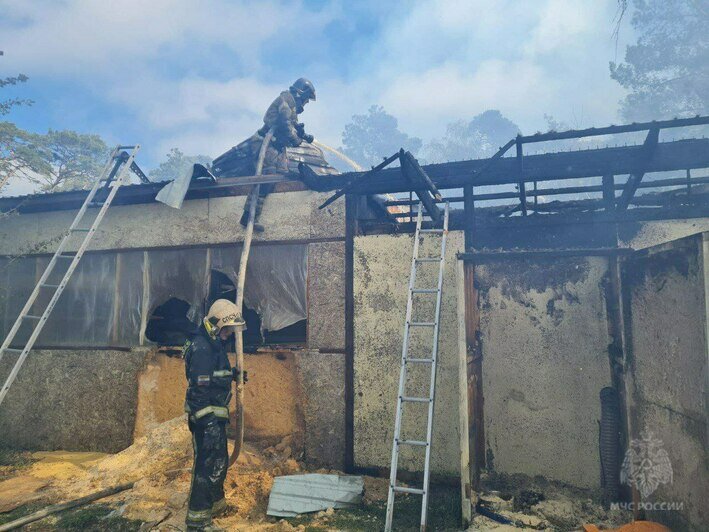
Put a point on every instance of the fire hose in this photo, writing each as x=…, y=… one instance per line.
x=238, y=419
x=238, y=424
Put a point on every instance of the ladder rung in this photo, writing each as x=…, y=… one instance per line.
x=439, y=231
x=416, y=443
x=45, y=285
x=422, y=324
x=95, y=204
x=81, y=230
x=402, y=489
x=63, y=256
x=429, y=259
x=424, y=290
x=31, y=317
x=11, y=350
x=419, y=360
x=125, y=148
x=416, y=399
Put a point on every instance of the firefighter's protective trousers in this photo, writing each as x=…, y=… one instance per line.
x=209, y=376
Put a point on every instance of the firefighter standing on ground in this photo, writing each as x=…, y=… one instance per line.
x=209, y=378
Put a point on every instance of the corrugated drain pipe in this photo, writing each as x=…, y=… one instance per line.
x=609, y=445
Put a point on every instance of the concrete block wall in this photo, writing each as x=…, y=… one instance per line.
x=72, y=400
x=44, y=410
x=666, y=288
x=544, y=346
x=321, y=368
x=381, y=276
x=285, y=216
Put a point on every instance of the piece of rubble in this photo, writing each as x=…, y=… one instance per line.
x=177, y=500
x=497, y=503
x=559, y=512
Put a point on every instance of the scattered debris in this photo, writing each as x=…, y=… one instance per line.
x=518, y=502
x=41, y=514
x=298, y=494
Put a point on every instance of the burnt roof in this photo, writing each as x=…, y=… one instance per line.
x=675, y=155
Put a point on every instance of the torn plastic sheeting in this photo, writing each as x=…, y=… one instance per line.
x=275, y=281
x=17, y=279
x=178, y=273
x=299, y=494
x=84, y=314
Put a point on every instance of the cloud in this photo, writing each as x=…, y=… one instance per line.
x=449, y=92
x=199, y=75
x=452, y=60
x=564, y=24
x=67, y=38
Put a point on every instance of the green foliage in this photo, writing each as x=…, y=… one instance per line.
x=176, y=163
x=8, y=104
x=666, y=70
x=58, y=160
x=10, y=136
x=64, y=160
x=370, y=138
x=13, y=145
x=478, y=138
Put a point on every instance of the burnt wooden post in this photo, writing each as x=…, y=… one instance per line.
x=608, y=185
x=689, y=183
x=351, y=203
x=473, y=351
x=648, y=151
x=469, y=216
x=476, y=434
x=520, y=170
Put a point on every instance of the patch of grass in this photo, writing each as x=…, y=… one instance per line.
x=21, y=511
x=96, y=519
x=443, y=514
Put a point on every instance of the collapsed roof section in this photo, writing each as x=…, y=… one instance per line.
x=513, y=186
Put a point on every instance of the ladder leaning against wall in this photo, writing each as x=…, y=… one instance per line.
x=100, y=196
x=431, y=324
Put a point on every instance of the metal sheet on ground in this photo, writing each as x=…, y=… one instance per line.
x=299, y=494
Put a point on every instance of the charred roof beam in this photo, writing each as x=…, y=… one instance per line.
x=648, y=152
x=613, y=130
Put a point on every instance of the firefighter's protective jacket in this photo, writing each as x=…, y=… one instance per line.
x=282, y=116
x=209, y=377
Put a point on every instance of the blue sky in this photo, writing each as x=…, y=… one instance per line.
x=199, y=75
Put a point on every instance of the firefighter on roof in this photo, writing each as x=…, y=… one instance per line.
x=282, y=117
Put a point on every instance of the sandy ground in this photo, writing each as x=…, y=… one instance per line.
x=159, y=464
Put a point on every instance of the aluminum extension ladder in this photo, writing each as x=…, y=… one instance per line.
x=112, y=176
x=406, y=360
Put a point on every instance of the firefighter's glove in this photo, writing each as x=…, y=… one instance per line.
x=235, y=375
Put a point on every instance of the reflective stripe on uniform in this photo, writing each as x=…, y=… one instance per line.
x=219, y=411
x=199, y=518
x=222, y=373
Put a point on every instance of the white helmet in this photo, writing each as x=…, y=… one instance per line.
x=223, y=313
